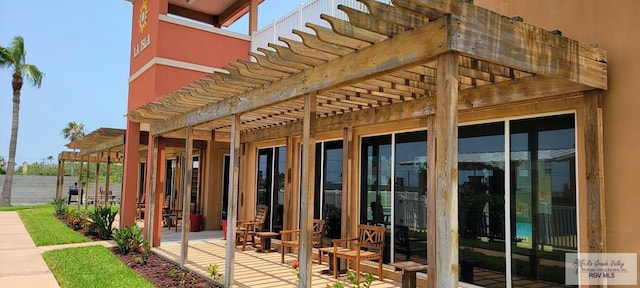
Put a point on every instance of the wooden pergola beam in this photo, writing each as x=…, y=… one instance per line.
x=106, y=145
x=483, y=34
x=526, y=89
x=404, y=50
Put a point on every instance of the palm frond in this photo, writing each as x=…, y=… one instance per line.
x=5, y=57
x=34, y=74
x=18, y=52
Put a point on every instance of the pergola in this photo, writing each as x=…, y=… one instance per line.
x=104, y=145
x=433, y=59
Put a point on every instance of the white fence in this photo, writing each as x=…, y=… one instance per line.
x=309, y=12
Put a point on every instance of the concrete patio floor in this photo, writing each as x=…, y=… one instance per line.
x=252, y=268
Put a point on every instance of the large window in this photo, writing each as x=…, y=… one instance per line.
x=328, y=186
x=393, y=192
x=270, y=185
x=527, y=247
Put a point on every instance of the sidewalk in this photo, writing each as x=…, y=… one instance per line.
x=21, y=264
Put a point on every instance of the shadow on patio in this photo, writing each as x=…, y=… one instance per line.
x=252, y=269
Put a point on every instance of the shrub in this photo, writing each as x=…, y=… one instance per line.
x=60, y=204
x=76, y=219
x=103, y=217
x=129, y=239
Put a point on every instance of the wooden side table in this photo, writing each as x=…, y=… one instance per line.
x=409, y=270
x=329, y=251
x=265, y=240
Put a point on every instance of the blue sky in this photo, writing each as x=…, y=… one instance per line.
x=83, y=47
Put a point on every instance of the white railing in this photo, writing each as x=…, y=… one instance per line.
x=309, y=12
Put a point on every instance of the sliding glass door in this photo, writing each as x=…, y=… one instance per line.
x=270, y=185
x=527, y=247
x=393, y=192
x=328, y=186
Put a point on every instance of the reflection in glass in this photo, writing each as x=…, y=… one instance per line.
x=329, y=182
x=270, y=185
x=376, y=170
x=481, y=171
x=410, y=197
x=543, y=202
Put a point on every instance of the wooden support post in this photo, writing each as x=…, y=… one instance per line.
x=446, y=170
x=151, y=187
x=186, y=196
x=347, y=158
x=96, y=194
x=307, y=184
x=158, y=192
x=232, y=211
x=86, y=184
x=291, y=201
x=60, y=178
x=80, y=190
x=594, y=151
x=431, y=202
x=107, y=187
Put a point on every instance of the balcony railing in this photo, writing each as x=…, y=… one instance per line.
x=309, y=12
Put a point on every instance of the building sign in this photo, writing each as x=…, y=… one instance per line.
x=142, y=25
x=144, y=43
x=144, y=15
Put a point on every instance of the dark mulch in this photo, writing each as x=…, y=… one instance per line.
x=162, y=273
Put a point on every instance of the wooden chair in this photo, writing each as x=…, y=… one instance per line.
x=369, y=245
x=291, y=238
x=246, y=229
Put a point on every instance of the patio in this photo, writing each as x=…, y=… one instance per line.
x=252, y=269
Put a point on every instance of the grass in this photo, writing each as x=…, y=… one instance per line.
x=18, y=208
x=46, y=229
x=91, y=266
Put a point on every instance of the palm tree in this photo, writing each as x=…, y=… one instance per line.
x=14, y=57
x=73, y=131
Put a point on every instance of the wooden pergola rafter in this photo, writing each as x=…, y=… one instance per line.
x=393, y=62
x=493, y=49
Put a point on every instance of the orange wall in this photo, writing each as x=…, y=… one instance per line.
x=158, y=81
x=614, y=26
x=198, y=46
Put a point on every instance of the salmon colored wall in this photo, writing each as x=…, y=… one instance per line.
x=613, y=25
x=169, y=79
x=141, y=89
x=158, y=81
x=198, y=46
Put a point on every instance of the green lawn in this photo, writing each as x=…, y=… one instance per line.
x=46, y=229
x=18, y=208
x=91, y=266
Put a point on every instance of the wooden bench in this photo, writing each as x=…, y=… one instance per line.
x=369, y=245
x=409, y=270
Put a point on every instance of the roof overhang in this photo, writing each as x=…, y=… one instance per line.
x=383, y=61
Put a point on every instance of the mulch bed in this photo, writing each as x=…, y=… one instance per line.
x=162, y=273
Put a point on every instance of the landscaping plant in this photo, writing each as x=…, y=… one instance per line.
x=103, y=217
x=214, y=272
x=129, y=239
x=60, y=204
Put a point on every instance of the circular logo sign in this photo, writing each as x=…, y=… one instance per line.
x=144, y=14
